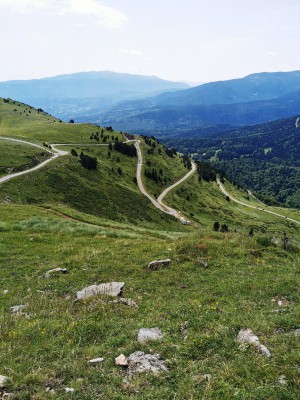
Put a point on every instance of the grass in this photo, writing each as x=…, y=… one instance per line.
x=18, y=156
x=98, y=226
x=58, y=337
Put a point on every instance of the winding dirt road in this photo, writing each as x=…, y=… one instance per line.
x=254, y=207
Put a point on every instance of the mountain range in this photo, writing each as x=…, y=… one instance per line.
x=147, y=104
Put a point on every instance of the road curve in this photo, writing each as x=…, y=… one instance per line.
x=27, y=171
x=254, y=207
x=167, y=190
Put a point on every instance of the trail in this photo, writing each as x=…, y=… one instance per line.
x=254, y=207
x=167, y=190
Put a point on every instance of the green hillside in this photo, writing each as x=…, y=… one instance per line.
x=96, y=225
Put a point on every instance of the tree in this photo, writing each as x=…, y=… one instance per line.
x=71, y=121
x=74, y=153
x=216, y=226
x=88, y=162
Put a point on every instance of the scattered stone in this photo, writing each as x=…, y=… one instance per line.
x=281, y=310
x=281, y=301
x=17, y=310
x=96, y=360
x=183, y=329
x=7, y=395
x=207, y=377
x=282, y=380
x=247, y=336
x=69, y=390
x=107, y=289
x=158, y=264
x=5, y=291
x=126, y=302
x=50, y=390
x=141, y=362
x=148, y=334
x=121, y=361
x=3, y=381
x=274, y=241
x=203, y=262
x=51, y=271
x=295, y=332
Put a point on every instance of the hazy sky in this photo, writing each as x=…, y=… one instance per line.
x=190, y=40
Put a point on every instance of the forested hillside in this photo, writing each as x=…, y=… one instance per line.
x=264, y=158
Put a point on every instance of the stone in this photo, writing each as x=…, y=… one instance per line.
x=106, y=289
x=96, y=360
x=203, y=262
x=247, y=336
x=51, y=271
x=69, y=390
x=295, y=332
x=207, y=377
x=126, y=302
x=149, y=334
x=3, y=381
x=121, y=361
x=141, y=362
x=282, y=380
x=50, y=390
x=158, y=264
x=5, y=291
x=17, y=310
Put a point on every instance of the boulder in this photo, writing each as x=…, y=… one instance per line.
x=51, y=271
x=104, y=289
x=141, y=362
x=149, y=334
x=247, y=336
x=158, y=264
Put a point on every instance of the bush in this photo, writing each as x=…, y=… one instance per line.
x=88, y=162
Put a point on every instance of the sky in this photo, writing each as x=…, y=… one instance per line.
x=179, y=40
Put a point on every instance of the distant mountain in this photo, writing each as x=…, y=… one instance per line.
x=86, y=92
x=254, y=99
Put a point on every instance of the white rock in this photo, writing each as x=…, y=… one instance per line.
x=121, y=360
x=157, y=264
x=5, y=291
x=96, y=360
x=3, y=381
x=282, y=380
x=247, y=336
x=107, y=289
x=125, y=301
x=69, y=390
x=51, y=271
x=17, y=310
x=141, y=362
x=148, y=334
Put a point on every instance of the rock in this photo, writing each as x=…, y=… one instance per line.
x=141, y=362
x=5, y=291
x=7, y=395
x=247, y=336
x=203, y=262
x=96, y=360
x=17, y=310
x=50, y=390
x=148, y=334
x=69, y=390
x=158, y=264
x=207, y=377
x=126, y=302
x=295, y=332
x=282, y=380
x=281, y=301
x=51, y=271
x=3, y=381
x=121, y=361
x=183, y=329
x=107, y=289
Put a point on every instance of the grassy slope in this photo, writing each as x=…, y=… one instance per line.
x=18, y=156
x=59, y=337
x=173, y=168
x=51, y=347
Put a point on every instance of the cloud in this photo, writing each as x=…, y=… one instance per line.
x=272, y=54
x=103, y=15
x=131, y=52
